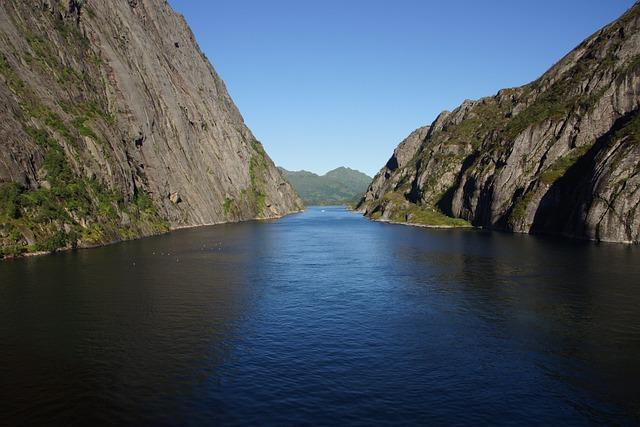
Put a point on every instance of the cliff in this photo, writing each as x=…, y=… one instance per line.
x=560, y=155
x=113, y=125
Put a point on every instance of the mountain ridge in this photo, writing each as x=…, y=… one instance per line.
x=338, y=186
x=556, y=156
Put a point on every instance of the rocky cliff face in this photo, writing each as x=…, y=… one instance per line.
x=114, y=125
x=560, y=155
x=396, y=168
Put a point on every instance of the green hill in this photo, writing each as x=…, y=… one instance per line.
x=341, y=186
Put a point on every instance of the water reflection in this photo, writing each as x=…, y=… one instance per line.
x=571, y=305
x=129, y=326
x=320, y=318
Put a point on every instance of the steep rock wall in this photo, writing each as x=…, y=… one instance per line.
x=560, y=155
x=114, y=125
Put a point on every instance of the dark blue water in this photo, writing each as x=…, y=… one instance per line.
x=323, y=318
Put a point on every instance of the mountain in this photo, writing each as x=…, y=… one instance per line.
x=341, y=186
x=560, y=155
x=114, y=125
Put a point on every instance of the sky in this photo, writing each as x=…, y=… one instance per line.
x=330, y=83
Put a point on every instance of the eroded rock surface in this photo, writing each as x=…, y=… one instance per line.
x=114, y=125
x=560, y=155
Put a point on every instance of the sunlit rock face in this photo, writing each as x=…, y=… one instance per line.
x=560, y=155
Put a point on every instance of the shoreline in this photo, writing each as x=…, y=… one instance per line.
x=413, y=224
x=171, y=229
x=561, y=237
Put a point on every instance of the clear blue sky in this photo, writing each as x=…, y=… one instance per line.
x=332, y=83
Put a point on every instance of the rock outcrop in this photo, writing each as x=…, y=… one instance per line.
x=395, y=170
x=560, y=155
x=114, y=125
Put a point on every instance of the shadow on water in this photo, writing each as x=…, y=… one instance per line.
x=125, y=329
x=569, y=306
x=323, y=317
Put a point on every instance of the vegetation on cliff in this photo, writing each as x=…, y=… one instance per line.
x=108, y=136
x=505, y=161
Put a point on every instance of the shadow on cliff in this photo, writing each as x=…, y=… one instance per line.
x=482, y=215
x=563, y=208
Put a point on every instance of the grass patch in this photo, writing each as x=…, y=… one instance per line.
x=41, y=50
x=431, y=217
x=562, y=165
x=257, y=171
x=14, y=82
x=228, y=206
x=80, y=124
x=630, y=130
x=485, y=117
x=9, y=201
x=519, y=212
x=550, y=104
x=559, y=168
x=376, y=215
x=410, y=213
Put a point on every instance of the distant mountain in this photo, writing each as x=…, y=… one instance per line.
x=337, y=187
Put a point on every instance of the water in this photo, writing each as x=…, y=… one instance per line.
x=323, y=318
